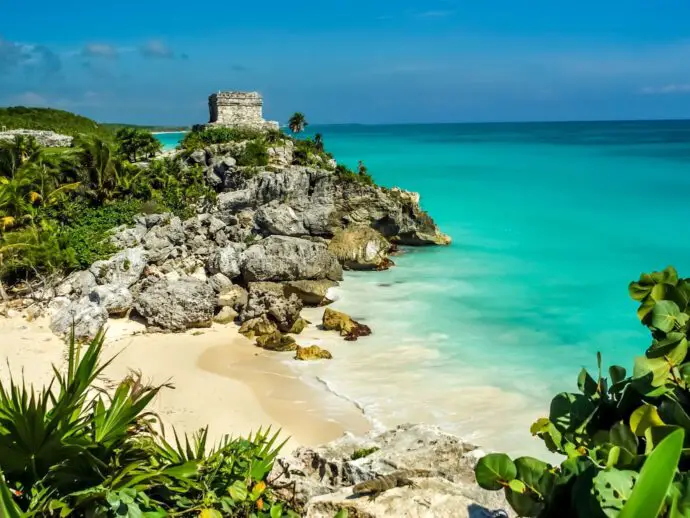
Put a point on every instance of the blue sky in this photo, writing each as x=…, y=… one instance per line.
x=374, y=61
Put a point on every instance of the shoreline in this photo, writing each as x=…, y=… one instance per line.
x=222, y=380
x=168, y=132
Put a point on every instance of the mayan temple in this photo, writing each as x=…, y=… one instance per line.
x=238, y=109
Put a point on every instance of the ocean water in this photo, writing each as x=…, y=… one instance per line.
x=550, y=222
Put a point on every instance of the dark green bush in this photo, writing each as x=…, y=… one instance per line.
x=48, y=119
x=608, y=430
x=346, y=174
x=200, y=138
x=254, y=153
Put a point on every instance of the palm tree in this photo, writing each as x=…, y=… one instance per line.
x=318, y=142
x=297, y=122
x=99, y=169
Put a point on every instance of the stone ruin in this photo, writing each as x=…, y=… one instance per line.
x=238, y=109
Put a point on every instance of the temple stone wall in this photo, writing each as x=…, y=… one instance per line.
x=238, y=109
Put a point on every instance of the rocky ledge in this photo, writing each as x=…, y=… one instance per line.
x=320, y=480
x=44, y=138
x=275, y=239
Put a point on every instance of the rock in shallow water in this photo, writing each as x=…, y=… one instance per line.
x=177, y=305
x=349, y=328
x=313, y=352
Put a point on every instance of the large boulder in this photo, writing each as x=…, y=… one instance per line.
x=115, y=298
x=441, y=466
x=161, y=240
x=87, y=316
x=124, y=268
x=347, y=327
x=128, y=237
x=283, y=311
x=282, y=258
x=177, y=305
x=227, y=260
x=313, y=352
x=233, y=296
x=76, y=284
x=312, y=293
x=280, y=219
x=257, y=327
x=361, y=248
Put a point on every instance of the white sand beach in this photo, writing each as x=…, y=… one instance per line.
x=221, y=379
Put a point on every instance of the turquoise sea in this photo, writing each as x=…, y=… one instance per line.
x=550, y=223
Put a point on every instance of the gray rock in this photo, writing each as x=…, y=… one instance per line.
x=43, y=137
x=227, y=260
x=234, y=201
x=220, y=282
x=128, y=237
x=123, y=268
x=177, y=305
x=233, y=296
x=198, y=157
x=87, y=317
x=161, y=240
x=283, y=311
x=76, y=284
x=115, y=298
x=215, y=224
x=280, y=219
x=323, y=477
x=281, y=258
x=57, y=304
x=361, y=248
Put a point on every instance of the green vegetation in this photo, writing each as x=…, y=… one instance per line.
x=56, y=205
x=59, y=121
x=201, y=137
x=297, y=122
x=364, y=452
x=137, y=143
x=116, y=126
x=72, y=449
x=254, y=153
x=621, y=434
x=348, y=175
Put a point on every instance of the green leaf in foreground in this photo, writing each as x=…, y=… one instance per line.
x=656, y=476
x=8, y=507
x=495, y=471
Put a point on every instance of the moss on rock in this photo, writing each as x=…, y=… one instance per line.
x=344, y=324
x=313, y=352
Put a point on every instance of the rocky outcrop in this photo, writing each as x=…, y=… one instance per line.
x=279, y=219
x=233, y=296
x=257, y=327
x=176, y=305
x=86, y=315
x=344, y=324
x=280, y=258
x=361, y=248
x=277, y=341
x=227, y=260
x=226, y=315
x=124, y=268
x=313, y=352
x=76, y=284
x=116, y=299
x=281, y=310
x=442, y=467
x=44, y=138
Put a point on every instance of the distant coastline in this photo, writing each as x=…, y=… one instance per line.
x=169, y=132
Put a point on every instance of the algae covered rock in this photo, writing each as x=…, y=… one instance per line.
x=344, y=324
x=298, y=326
x=361, y=248
x=226, y=315
x=313, y=352
x=277, y=341
x=233, y=296
x=259, y=326
x=284, y=311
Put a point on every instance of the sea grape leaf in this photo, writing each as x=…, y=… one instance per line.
x=645, y=310
x=622, y=436
x=654, y=371
x=612, y=488
x=535, y=474
x=655, y=479
x=639, y=291
x=238, y=491
x=524, y=504
x=517, y=485
x=495, y=471
x=586, y=383
x=668, y=275
x=569, y=411
x=665, y=315
x=663, y=347
x=672, y=412
x=617, y=374
x=210, y=513
x=643, y=418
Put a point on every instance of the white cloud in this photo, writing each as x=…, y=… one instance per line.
x=29, y=99
x=675, y=88
x=434, y=14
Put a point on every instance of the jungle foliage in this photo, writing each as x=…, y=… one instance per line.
x=625, y=436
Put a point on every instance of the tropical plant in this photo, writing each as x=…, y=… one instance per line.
x=134, y=143
x=297, y=122
x=318, y=142
x=611, y=429
x=254, y=153
x=99, y=169
x=72, y=449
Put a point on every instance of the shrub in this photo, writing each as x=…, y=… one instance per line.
x=201, y=137
x=608, y=430
x=254, y=153
x=72, y=449
x=346, y=174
